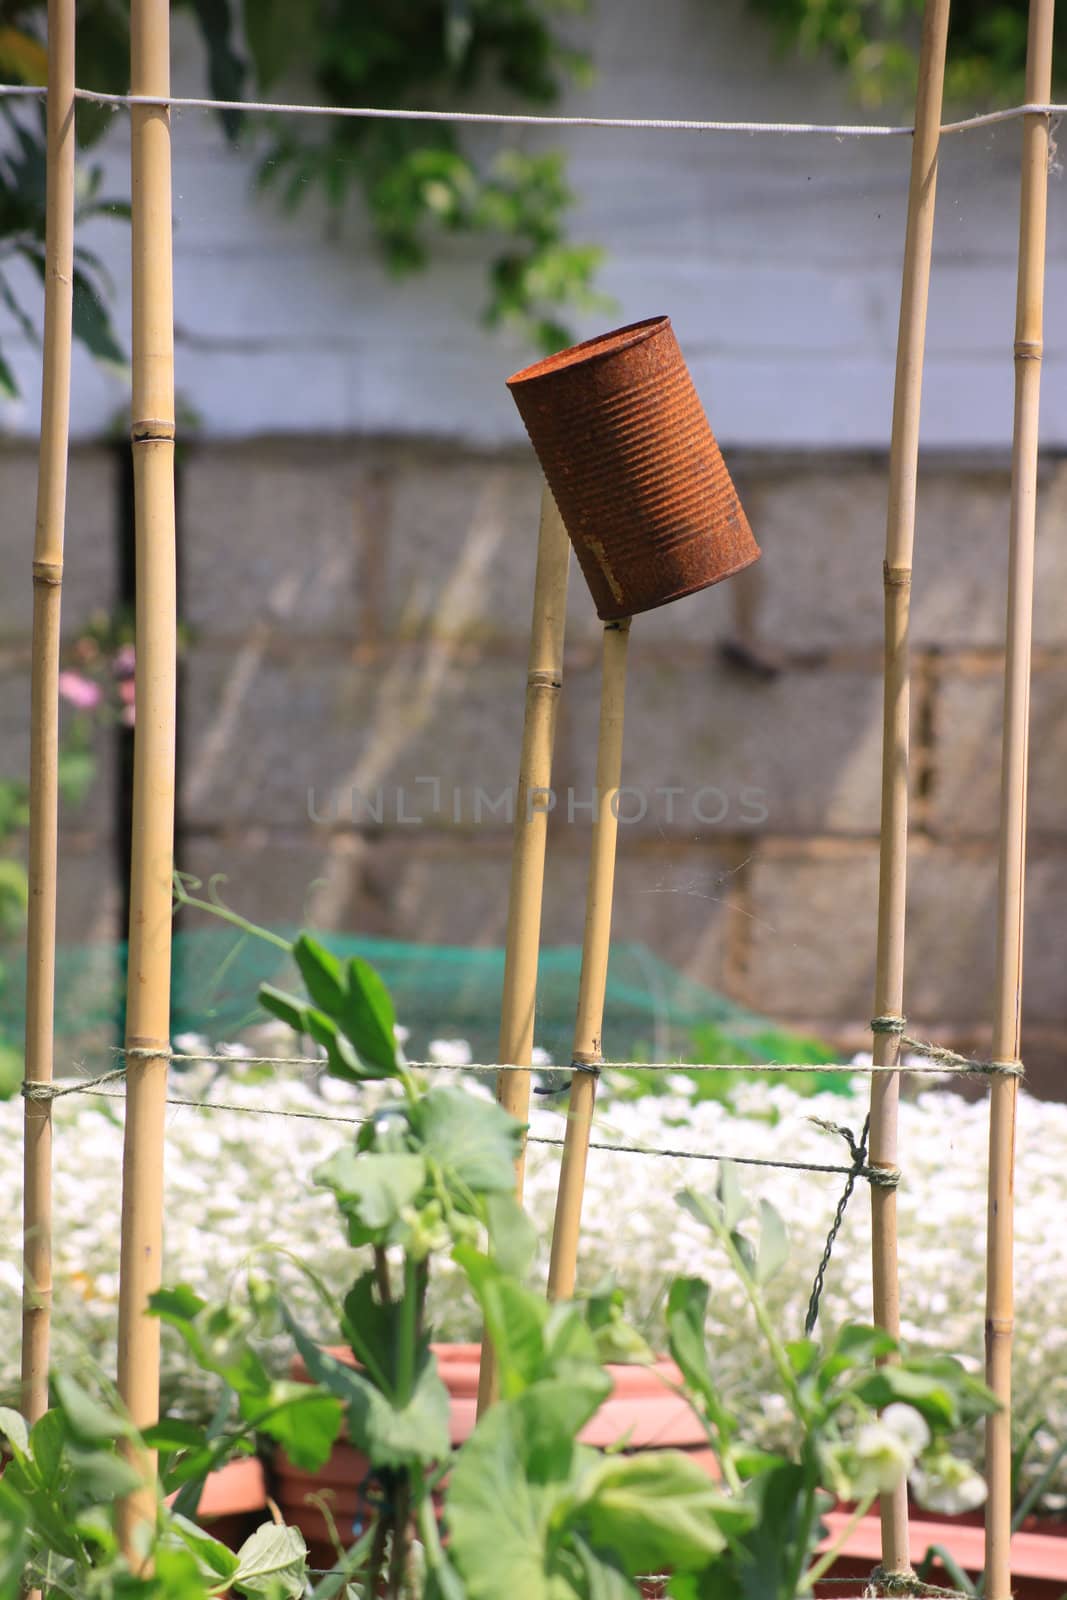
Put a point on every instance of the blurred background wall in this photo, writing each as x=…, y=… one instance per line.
x=358, y=516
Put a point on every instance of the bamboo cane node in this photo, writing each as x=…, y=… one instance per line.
x=1028, y=349
x=153, y=430
x=896, y=577
x=48, y=574
x=544, y=680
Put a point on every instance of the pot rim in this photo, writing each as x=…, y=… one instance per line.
x=590, y=350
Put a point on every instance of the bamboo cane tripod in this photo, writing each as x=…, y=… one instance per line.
x=900, y=536
x=1033, y=204
x=592, y=982
x=44, y=708
x=152, y=865
x=650, y=508
x=532, y=804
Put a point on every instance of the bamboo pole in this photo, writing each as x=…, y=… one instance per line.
x=594, y=975
x=44, y=707
x=148, y=992
x=1029, y=310
x=893, y=862
x=532, y=805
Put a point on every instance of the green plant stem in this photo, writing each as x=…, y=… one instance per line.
x=818, y=1569
x=216, y=909
x=400, y=1517
x=766, y=1327
x=377, y=1557
x=381, y=1275
x=436, y=1560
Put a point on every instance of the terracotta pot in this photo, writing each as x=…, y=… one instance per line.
x=234, y=1501
x=1038, y=1560
x=641, y=1414
x=634, y=468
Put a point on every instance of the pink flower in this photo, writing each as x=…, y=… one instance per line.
x=127, y=694
x=81, y=692
x=123, y=661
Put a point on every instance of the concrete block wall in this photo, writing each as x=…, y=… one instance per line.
x=352, y=691
x=88, y=893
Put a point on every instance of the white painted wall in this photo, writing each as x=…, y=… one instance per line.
x=778, y=260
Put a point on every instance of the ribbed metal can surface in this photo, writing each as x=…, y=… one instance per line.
x=634, y=468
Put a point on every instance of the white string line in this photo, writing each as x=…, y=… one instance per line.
x=836, y=130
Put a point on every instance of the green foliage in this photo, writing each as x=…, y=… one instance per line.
x=22, y=231
x=59, y=1500
x=528, y=1508
x=420, y=181
x=711, y=1044
x=877, y=42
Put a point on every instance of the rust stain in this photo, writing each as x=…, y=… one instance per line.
x=635, y=469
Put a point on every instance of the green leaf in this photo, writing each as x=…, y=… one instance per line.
x=92, y=323
x=515, y=1319
x=48, y=1439
x=512, y=1235
x=278, y=34
x=341, y=1058
x=9, y=389
x=783, y=1501
x=173, y=1433
x=372, y=1190
x=928, y=1395
x=214, y=1559
x=499, y=1517
x=14, y=1429
x=321, y=972
x=415, y=1433
x=658, y=1509
x=856, y=1345
x=372, y=1329
x=218, y=1338
x=773, y=1250
x=226, y=68
x=284, y=1006
x=273, y=1561
x=802, y=1353
x=88, y=1419
x=687, y=1310
x=101, y=1475
x=476, y=1142
x=731, y=1196
x=369, y=1018
x=305, y=1421
x=602, y=1576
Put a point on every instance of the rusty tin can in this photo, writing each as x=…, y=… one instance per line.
x=634, y=468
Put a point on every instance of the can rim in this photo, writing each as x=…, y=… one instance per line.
x=590, y=350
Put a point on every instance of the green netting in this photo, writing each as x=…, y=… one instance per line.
x=652, y=1012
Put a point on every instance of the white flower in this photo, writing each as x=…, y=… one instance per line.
x=400, y=1033
x=909, y=1426
x=191, y=1044
x=450, y=1052
x=945, y=1483
x=539, y=1057
x=880, y=1458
